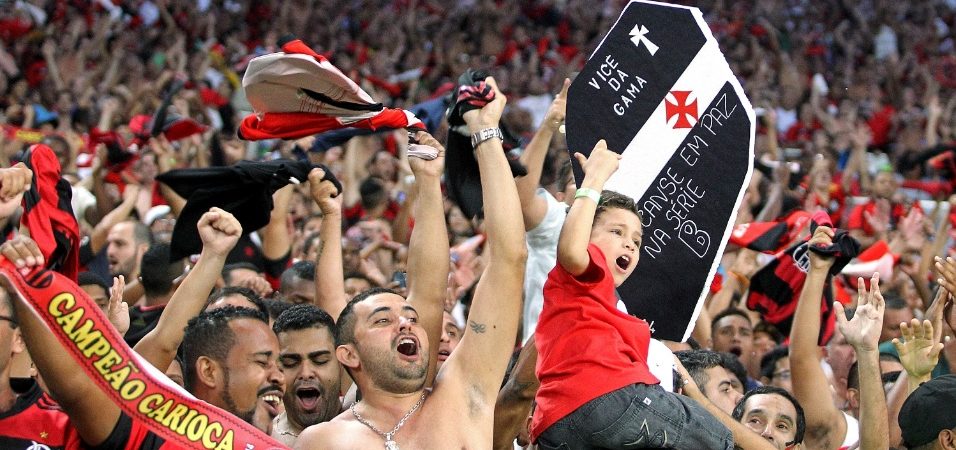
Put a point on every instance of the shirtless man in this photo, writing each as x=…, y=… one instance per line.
x=381, y=343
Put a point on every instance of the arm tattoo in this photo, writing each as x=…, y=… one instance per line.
x=477, y=327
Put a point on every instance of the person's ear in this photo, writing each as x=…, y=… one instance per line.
x=853, y=397
x=347, y=356
x=17, y=346
x=947, y=439
x=208, y=372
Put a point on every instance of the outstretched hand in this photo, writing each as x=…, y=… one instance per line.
x=118, y=312
x=219, y=231
x=863, y=331
x=919, y=349
x=601, y=163
x=558, y=109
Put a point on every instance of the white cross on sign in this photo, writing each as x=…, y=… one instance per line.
x=639, y=34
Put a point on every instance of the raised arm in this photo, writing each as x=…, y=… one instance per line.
x=219, y=232
x=102, y=230
x=576, y=232
x=329, y=279
x=91, y=411
x=920, y=346
x=533, y=208
x=428, y=258
x=482, y=356
x=826, y=426
x=863, y=333
x=515, y=397
x=276, y=238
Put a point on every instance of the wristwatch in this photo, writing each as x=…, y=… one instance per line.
x=484, y=135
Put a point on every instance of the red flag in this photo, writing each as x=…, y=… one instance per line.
x=48, y=214
x=297, y=93
x=775, y=289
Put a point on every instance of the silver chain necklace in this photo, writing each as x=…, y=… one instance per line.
x=390, y=443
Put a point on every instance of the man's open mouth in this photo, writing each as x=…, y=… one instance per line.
x=308, y=397
x=407, y=346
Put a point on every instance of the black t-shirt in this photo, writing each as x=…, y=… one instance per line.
x=127, y=435
x=142, y=320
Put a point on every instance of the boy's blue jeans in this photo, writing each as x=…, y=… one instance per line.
x=638, y=416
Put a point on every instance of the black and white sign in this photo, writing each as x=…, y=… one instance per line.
x=660, y=92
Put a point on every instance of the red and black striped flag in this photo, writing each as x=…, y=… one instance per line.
x=775, y=289
x=297, y=93
x=48, y=214
x=769, y=237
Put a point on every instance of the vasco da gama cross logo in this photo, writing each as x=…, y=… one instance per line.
x=675, y=104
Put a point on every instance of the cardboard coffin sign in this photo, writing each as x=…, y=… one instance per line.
x=660, y=92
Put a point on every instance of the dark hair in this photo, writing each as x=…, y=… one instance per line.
x=893, y=301
x=345, y=326
x=227, y=270
x=697, y=362
x=693, y=344
x=772, y=331
x=853, y=376
x=730, y=311
x=730, y=362
x=208, y=334
x=276, y=307
x=92, y=278
x=615, y=200
x=238, y=290
x=768, y=363
x=372, y=192
x=773, y=390
x=300, y=317
x=304, y=270
x=156, y=272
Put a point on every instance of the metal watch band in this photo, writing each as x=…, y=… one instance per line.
x=485, y=134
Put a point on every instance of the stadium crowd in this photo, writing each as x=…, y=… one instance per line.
x=382, y=304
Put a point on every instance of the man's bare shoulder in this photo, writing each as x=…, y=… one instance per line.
x=336, y=433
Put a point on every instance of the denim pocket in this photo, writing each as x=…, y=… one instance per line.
x=645, y=423
x=561, y=446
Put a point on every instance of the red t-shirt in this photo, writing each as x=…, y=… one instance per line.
x=857, y=221
x=586, y=346
x=36, y=419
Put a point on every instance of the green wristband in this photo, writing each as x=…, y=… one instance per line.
x=589, y=193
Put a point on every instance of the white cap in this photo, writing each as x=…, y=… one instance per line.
x=155, y=213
